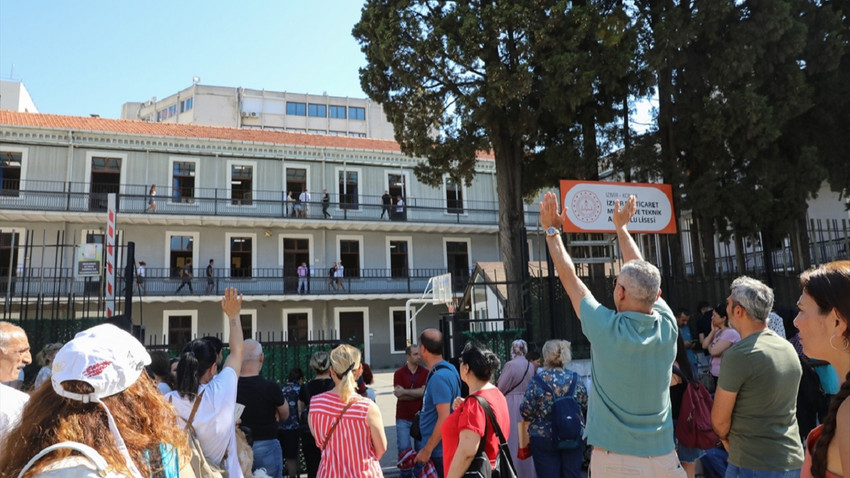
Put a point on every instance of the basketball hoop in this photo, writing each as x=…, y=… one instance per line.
x=452, y=306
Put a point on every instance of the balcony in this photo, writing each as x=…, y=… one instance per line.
x=73, y=197
x=59, y=284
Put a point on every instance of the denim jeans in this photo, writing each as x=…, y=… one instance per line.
x=403, y=441
x=733, y=471
x=268, y=455
x=550, y=462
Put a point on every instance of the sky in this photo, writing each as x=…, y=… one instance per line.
x=91, y=56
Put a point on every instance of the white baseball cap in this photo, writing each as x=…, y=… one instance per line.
x=110, y=360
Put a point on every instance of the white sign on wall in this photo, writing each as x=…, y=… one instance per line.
x=590, y=206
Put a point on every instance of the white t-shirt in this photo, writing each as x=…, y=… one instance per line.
x=214, y=421
x=43, y=376
x=339, y=269
x=74, y=466
x=11, y=406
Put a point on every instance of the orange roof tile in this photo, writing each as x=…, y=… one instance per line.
x=94, y=124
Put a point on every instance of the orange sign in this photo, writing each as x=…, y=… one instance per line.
x=590, y=205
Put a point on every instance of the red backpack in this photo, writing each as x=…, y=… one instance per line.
x=694, y=426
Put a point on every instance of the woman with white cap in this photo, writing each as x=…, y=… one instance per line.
x=99, y=406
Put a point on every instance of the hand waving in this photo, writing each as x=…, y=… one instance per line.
x=622, y=216
x=549, y=215
x=231, y=304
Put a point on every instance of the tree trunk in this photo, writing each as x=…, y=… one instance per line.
x=509, y=154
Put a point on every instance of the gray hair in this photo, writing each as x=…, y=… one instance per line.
x=557, y=353
x=642, y=280
x=8, y=331
x=753, y=295
x=320, y=361
x=253, y=350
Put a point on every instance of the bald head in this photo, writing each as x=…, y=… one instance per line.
x=252, y=358
x=431, y=346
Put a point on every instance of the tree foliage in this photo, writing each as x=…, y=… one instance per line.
x=517, y=78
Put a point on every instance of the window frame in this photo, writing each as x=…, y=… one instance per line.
x=227, y=252
x=229, y=179
x=22, y=174
x=353, y=117
x=355, y=206
x=193, y=313
x=359, y=239
x=393, y=350
x=226, y=327
x=311, y=107
x=366, y=338
x=338, y=108
x=196, y=237
x=463, y=210
x=409, y=240
x=295, y=109
x=179, y=159
x=285, y=320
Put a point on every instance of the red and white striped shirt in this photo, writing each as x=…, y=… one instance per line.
x=349, y=452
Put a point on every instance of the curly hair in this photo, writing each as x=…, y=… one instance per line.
x=829, y=287
x=143, y=417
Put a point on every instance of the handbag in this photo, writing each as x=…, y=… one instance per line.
x=244, y=451
x=480, y=466
x=202, y=467
x=333, y=427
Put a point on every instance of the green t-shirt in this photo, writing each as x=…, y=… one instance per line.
x=631, y=363
x=763, y=369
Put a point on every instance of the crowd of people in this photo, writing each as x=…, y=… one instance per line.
x=97, y=413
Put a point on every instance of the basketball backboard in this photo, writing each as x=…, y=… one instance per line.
x=441, y=288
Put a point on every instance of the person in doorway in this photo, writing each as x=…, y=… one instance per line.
x=186, y=276
x=302, y=278
x=210, y=277
x=386, y=204
x=304, y=200
x=151, y=199
x=288, y=203
x=326, y=202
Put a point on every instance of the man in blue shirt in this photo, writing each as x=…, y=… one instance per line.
x=632, y=351
x=441, y=388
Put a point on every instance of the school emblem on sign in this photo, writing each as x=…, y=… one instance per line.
x=586, y=206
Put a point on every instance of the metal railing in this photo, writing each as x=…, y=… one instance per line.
x=134, y=199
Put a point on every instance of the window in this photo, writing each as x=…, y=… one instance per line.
x=397, y=185
x=105, y=178
x=186, y=105
x=296, y=181
x=454, y=196
x=297, y=109
x=247, y=325
x=399, y=257
x=348, y=189
x=241, y=256
x=356, y=113
x=183, y=181
x=10, y=173
x=296, y=249
x=319, y=111
x=166, y=113
x=297, y=326
x=349, y=255
x=337, y=133
x=179, y=330
x=356, y=135
x=11, y=261
x=337, y=111
x=181, y=247
x=241, y=184
x=353, y=326
x=398, y=329
x=457, y=262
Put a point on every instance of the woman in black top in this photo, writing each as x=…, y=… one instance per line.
x=320, y=362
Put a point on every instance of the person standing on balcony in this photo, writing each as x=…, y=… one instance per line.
x=304, y=198
x=140, y=276
x=326, y=202
x=332, y=276
x=302, y=278
x=386, y=205
x=151, y=199
x=287, y=204
x=340, y=270
x=399, y=209
x=210, y=278
x=186, y=276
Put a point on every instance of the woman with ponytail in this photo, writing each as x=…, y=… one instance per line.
x=198, y=378
x=347, y=427
x=824, y=324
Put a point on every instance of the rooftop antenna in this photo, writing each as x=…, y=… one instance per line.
x=196, y=80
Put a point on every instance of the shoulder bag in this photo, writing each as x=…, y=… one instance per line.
x=333, y=427
x=480, y=466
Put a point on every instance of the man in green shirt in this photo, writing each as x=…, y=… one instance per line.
x=754, y=411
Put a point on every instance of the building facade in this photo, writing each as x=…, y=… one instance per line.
x=221, y=195
x=269, y=110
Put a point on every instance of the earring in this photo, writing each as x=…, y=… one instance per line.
x=843, y=340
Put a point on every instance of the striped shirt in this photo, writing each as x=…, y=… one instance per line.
x=350, y=452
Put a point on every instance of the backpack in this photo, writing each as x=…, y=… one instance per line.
x=567, y=419
x=694, y=426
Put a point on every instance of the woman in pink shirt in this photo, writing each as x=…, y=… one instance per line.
x=721, y=337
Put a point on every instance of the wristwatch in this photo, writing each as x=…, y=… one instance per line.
x=552, y=231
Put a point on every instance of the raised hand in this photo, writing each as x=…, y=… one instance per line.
x=231, y=303
x=549, y=214
x=622, y=216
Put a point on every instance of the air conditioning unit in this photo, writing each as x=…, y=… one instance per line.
x=246, y=114
x=253, y=113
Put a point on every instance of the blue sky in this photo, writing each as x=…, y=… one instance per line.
x=91, y=56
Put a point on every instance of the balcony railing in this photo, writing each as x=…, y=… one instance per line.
x=59, y=282
x=133, y=199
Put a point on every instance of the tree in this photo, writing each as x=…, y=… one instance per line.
x=458, y=78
